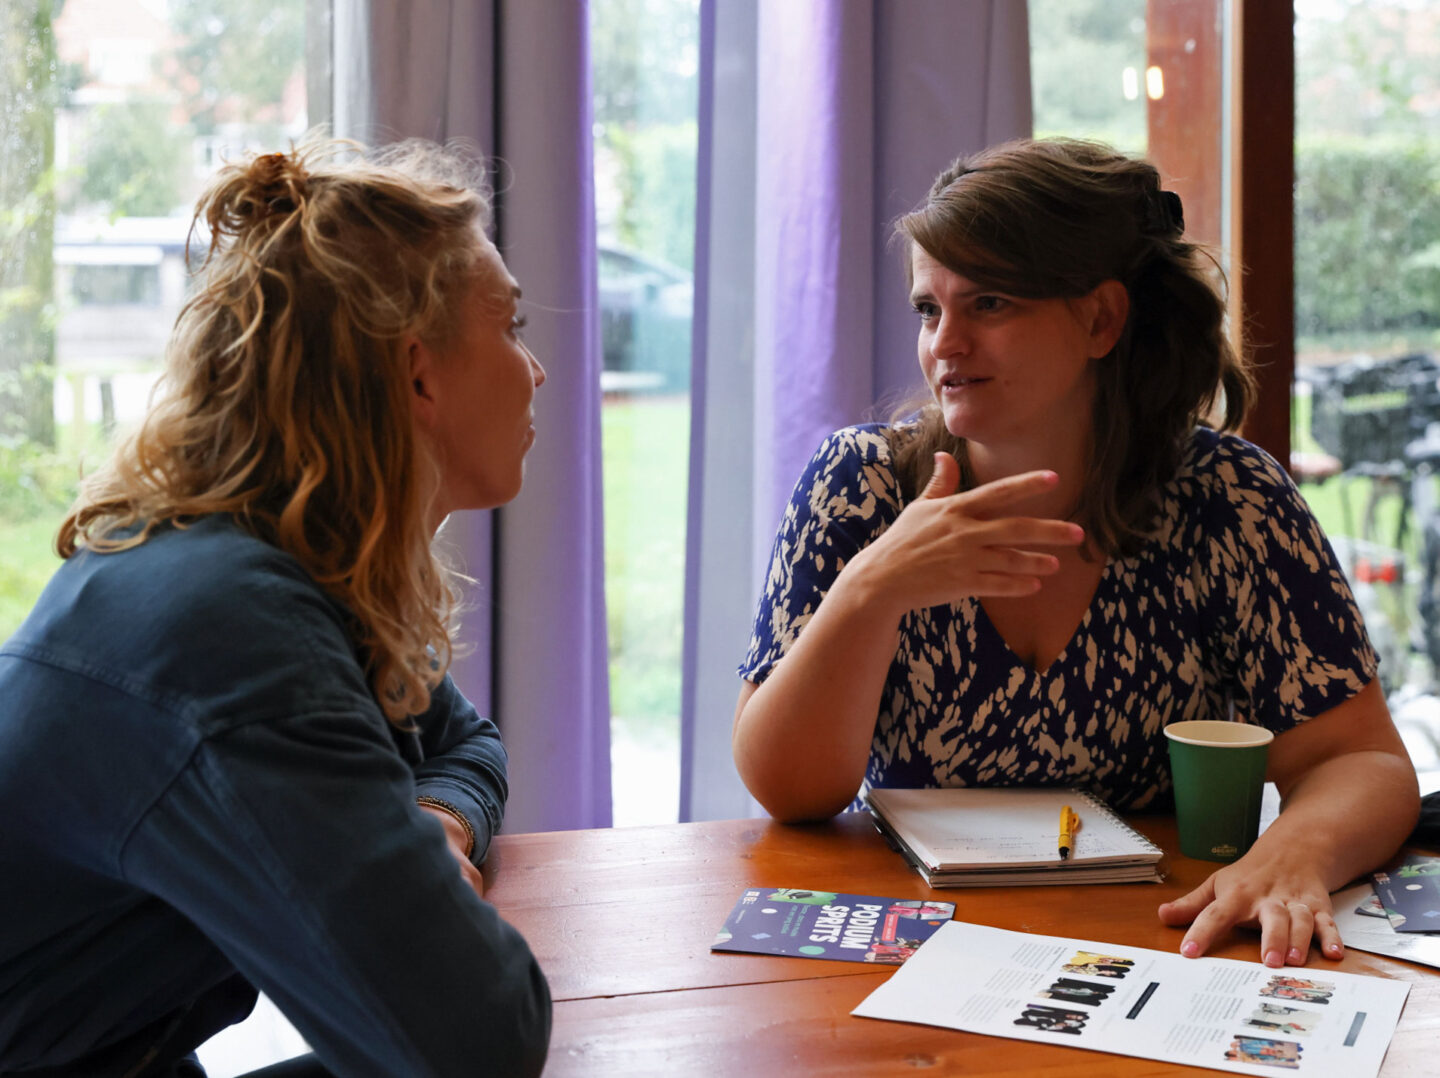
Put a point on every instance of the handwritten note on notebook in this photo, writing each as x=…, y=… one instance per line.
x=983, y=837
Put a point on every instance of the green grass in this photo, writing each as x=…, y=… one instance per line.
x=26, y=562
x=646, y=443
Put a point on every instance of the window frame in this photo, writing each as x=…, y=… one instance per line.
x=1262, y=212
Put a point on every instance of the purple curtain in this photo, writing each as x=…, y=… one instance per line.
x=820, y=123
x=512, y=77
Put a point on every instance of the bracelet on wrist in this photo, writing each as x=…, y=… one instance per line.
x=445, y=806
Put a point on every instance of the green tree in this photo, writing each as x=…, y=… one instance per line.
x=1363, y=70
x=645, y=60
x=236, y=56
x=134, y=159
x=1078, y=49
x=29, y=86
x=645, y=71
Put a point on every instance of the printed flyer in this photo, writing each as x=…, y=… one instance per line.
x=1410, y=893
x=1362, y=922
x=828, y=924
x=1232, y=1016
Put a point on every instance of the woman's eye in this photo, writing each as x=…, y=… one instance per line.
x=989, y=303
x=926, y=311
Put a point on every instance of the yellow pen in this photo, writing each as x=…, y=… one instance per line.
x=1069, y=823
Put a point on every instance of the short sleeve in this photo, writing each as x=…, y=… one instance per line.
x=846, y=497
x=1286, y=640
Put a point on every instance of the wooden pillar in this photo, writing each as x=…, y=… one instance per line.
x=1186, y=41
x=1185, y=114
x=1263, y=210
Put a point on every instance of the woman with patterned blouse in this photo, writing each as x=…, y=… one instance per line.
x=1023, y=582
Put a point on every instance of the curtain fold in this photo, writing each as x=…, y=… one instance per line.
x=512, y=77
x=820, y=123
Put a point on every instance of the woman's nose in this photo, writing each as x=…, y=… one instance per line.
x=951, y=338
x=537, y=372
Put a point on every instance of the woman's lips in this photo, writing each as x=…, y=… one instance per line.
x=958, y=385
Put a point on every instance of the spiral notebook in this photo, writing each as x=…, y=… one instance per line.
x=975, y=837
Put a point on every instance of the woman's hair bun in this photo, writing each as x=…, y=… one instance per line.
x=277, y=183
x=268, y=187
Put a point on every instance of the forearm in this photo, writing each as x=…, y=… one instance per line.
x=1345, y=816
x=320, y=884
x=1349, y=800
x=465, y=765
x=801, y=741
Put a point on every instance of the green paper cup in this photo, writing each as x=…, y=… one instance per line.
x=1219, y=773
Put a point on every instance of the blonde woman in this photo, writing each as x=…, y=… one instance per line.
x=230, y=756
x=1056, y=554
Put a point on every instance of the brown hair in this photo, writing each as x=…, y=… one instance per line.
x=285, y=396
x=1054, y=218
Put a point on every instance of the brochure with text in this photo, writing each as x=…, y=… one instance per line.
x=828, y=924
x=1361, y=919
x=1410, y=893
x=1232, y=1016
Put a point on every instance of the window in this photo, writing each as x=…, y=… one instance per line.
x=646, y=65
x=117, y=110
x=116, y=133
x=1366, y=413
x=1087, y=63
x=1147, y=77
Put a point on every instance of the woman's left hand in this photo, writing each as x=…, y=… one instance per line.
x=1288, y=904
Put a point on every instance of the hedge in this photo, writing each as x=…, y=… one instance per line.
x=1367, y=236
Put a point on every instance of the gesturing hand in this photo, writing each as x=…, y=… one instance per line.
x=946, y=546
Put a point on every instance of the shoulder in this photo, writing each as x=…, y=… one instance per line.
x=1245, y=507
x=210, y=573
x=864, y=443
x=201, y=612
x=1218, y=462
x=1222, y=476
x=851, y=474
x=863, y=452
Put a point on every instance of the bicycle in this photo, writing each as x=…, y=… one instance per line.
x=1379, y=421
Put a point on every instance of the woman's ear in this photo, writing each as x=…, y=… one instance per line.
x=1105, y=310
x=424, y=391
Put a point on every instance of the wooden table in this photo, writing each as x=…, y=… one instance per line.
x=622, y=920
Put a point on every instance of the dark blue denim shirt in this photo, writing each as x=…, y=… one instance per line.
x=198, y=789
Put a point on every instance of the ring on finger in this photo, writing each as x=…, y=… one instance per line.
x=1298, y=906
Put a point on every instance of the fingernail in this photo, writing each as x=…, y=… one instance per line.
x=1272, y=959
x=1334, y=948
x=1190, y=949
x=1295, y=957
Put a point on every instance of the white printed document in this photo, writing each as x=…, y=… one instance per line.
x=1232, y=1016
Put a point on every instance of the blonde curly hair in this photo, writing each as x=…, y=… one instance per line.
x=285, y=397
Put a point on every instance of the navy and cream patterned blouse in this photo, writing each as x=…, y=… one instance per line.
x=1237, y=597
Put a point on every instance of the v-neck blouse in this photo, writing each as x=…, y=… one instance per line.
x=1236, y=599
